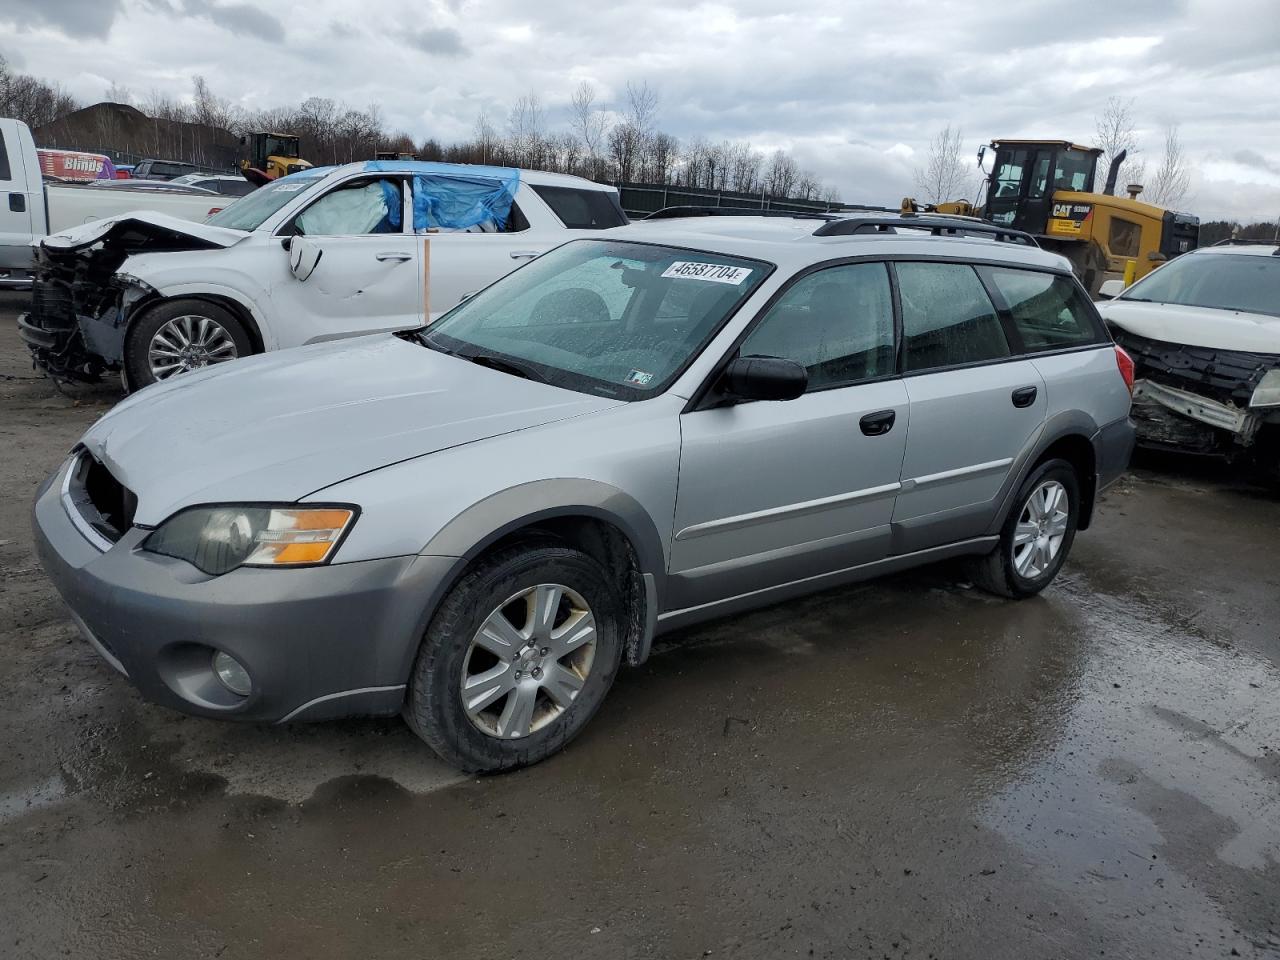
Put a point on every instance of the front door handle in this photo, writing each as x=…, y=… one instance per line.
x=1024, y=396
x=878, y=423
x=524, y=254
x=394, y=256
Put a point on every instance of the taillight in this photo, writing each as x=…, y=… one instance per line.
x=1125, y=363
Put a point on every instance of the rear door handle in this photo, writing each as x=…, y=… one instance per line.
x=1024, y=396
x=878, y=423
x=524, y=254
x=394, y=256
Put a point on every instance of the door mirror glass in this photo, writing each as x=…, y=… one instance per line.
x=304, y=256
x=1110, y=289
x=765, y=378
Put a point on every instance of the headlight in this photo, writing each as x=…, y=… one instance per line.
x=220, y=539
x=1267, y=393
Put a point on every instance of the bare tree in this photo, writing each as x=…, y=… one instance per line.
x=941, y=177
x=589, y=124
x=1172, y=178
x=525, y=123
x=486, y=136
x=119, y=93
x=1114, y=132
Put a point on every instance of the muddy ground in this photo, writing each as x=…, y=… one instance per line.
x=903, y=769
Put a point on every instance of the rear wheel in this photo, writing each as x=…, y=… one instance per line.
x=517, y=659
x=179, y=336
x=1036, y=536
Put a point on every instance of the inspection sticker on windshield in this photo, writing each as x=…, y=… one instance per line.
x=714, y=272
x=289, y=187
x=640, y=378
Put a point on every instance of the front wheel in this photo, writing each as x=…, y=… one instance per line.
x=179, y=336
x=1036, y=536
x=517, y=659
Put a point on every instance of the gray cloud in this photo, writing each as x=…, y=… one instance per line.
x=440, y=41
x=1252, y=158
x=241, y=19
x=75, y=18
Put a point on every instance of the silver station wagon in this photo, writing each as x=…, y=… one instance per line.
x=477, y=522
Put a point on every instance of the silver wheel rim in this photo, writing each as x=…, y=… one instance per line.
x=188, y=343
x=528, y=661
x=1042, y=526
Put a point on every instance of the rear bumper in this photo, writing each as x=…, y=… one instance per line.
x=318, y=643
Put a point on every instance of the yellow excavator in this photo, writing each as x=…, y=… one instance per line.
x=1045, y=187
x=270, y=155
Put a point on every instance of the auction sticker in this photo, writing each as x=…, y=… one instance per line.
x=641, y=378
x=714, y=272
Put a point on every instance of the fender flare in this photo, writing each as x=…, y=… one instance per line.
x=1067, y=423
x=235, y=299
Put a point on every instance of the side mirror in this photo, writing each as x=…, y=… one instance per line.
x=304, y=256
x=1157, y=256
x=764, y=378
x=1110, y=289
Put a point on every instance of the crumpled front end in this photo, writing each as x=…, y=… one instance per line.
x=1204, y=400
x=81, y=302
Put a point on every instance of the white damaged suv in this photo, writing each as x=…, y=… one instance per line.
x=1204, y=333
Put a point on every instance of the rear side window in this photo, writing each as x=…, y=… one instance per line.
x=947, y=317
x=1048, y=311
x=583, y=209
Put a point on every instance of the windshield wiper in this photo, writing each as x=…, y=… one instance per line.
x=506, y=366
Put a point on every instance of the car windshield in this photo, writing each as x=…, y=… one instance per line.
x=1223, y=281
x=613, y=318
x=253, y=210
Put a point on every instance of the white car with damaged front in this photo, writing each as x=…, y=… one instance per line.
x=1204, y=332
x=320, y=255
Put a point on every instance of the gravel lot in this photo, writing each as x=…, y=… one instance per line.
x=907, y=768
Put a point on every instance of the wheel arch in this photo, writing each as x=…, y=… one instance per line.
x=240, y=311
x=597, y=518
x=1071, y=435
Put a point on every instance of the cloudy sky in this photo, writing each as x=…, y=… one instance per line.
x=854, y=88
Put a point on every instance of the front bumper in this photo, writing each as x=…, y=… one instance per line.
x=318, y=643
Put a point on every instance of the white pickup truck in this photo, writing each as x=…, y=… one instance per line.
x=325, y=253
x=30, y=209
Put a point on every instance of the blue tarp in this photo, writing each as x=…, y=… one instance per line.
x=450, y=196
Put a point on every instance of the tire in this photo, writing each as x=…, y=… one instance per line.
x=1008, y=570
x=513, y=585
x=213, y=334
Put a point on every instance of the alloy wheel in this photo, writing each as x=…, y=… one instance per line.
x=1042, y=525
x=188, y=343
x=528, y=661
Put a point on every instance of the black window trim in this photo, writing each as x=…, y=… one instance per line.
x=707, y=396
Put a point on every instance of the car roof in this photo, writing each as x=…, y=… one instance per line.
x=1247, y=248
x=535, y=177
x=793, y=242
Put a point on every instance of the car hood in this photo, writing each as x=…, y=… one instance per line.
x=1195, y=326
x=159, y=226
x=280, y=426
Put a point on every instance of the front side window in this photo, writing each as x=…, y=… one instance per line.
x=837, y=323
x=612, y=318
x=1050, y=312
x=1226, y=281
x=355, y=209
x=947, y=317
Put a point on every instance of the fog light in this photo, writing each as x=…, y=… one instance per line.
x=232, y=674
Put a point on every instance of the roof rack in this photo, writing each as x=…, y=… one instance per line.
x=1250, y=242
x=672, y=213
x=938, y=226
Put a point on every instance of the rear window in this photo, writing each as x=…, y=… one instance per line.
x=1048, y=310
x=947, y=318
x=583, y=209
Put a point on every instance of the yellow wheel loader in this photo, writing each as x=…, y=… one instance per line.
x=1044, y=187
x=270, y=155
